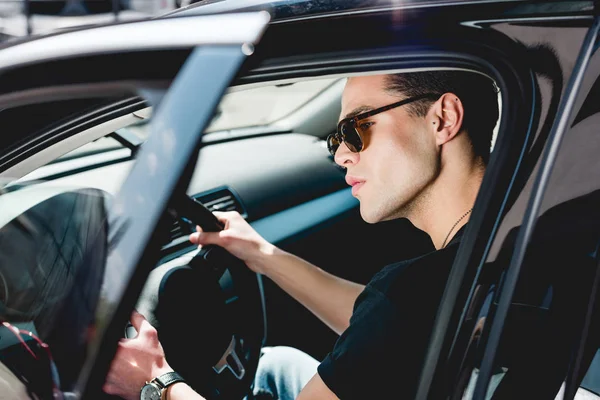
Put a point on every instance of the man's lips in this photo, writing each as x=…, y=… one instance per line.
x=356, y=183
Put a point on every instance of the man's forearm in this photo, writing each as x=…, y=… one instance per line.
x=328, y=297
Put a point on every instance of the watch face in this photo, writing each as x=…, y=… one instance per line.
x=150, y=392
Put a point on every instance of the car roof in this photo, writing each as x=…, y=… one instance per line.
x=293, y=9
x=302, y=9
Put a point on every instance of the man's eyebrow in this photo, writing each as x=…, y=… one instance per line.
x=358, y=110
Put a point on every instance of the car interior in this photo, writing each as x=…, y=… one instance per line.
x=263, y=155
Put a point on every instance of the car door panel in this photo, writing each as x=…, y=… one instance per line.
x=174, y=139
x=215, y=58
x=550, y=280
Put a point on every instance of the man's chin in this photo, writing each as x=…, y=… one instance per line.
x=372, y=216
x=369, y=217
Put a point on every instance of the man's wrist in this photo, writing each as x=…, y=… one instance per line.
x=175, y=391
x=160, y=370
x=161, y=384
x=181, y=390
x=169, y=391
x=264, y=262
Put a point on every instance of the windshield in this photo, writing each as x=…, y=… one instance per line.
x=264, y=105
x=238, y=109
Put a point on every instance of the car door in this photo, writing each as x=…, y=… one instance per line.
x=542, y=340
x=114, y=70
x=529, y=329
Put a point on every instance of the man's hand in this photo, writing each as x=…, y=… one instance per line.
x=238, y=238
x=330, y=298
x=137, y=361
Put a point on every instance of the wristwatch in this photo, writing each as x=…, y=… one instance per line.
x=155, y=389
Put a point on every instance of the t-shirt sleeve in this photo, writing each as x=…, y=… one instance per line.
x=360, y=366
x=380, y=355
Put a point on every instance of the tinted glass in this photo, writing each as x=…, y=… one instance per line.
x=26, y=121
x=543, y=330
x=53, y=248
x=526, y=343
x=53, y=244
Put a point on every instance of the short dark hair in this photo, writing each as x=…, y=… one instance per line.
x=478, y=94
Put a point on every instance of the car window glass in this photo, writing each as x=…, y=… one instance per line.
x=256, y=106
x=58, y=238
x=54, y=229
x=554, y=294
x=264, y=105
x=590, y=380
x=25, y=121
x=101, y=145
x=552, y=51
x=84, y=135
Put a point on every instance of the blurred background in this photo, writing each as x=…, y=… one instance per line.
x=20, y=18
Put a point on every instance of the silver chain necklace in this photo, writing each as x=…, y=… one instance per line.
x=454, y=226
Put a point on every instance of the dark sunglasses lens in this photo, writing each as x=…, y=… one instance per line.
x=332, y=144
x=351, y=137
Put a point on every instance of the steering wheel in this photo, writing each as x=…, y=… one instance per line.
x=209, y=313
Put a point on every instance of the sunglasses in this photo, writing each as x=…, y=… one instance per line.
x=349, y=131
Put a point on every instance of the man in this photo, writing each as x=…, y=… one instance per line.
x=414, y=146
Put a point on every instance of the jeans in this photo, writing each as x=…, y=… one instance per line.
x=282, y=373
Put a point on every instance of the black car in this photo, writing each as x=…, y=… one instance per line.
x=118, y=140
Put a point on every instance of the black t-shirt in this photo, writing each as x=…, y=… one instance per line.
x=381, y=353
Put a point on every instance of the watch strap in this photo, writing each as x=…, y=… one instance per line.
x=168, y=379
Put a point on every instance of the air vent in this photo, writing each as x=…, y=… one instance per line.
x=179, y=229
x=221, y=200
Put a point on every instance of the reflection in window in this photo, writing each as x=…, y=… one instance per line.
x=53, y=244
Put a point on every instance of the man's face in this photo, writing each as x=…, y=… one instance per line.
x=399, y=160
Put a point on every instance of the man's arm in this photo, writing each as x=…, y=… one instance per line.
x=315, y=389
x=328, y=297
x=139, y=360
x=181, y=391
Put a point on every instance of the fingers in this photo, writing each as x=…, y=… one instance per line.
x=226, y=216
x=143, y=327
x=110, y=388
x=137, y=320
x=205, y=238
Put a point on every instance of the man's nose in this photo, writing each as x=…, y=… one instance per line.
x=344, y=157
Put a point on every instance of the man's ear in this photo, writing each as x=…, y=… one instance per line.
x=446, y=117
